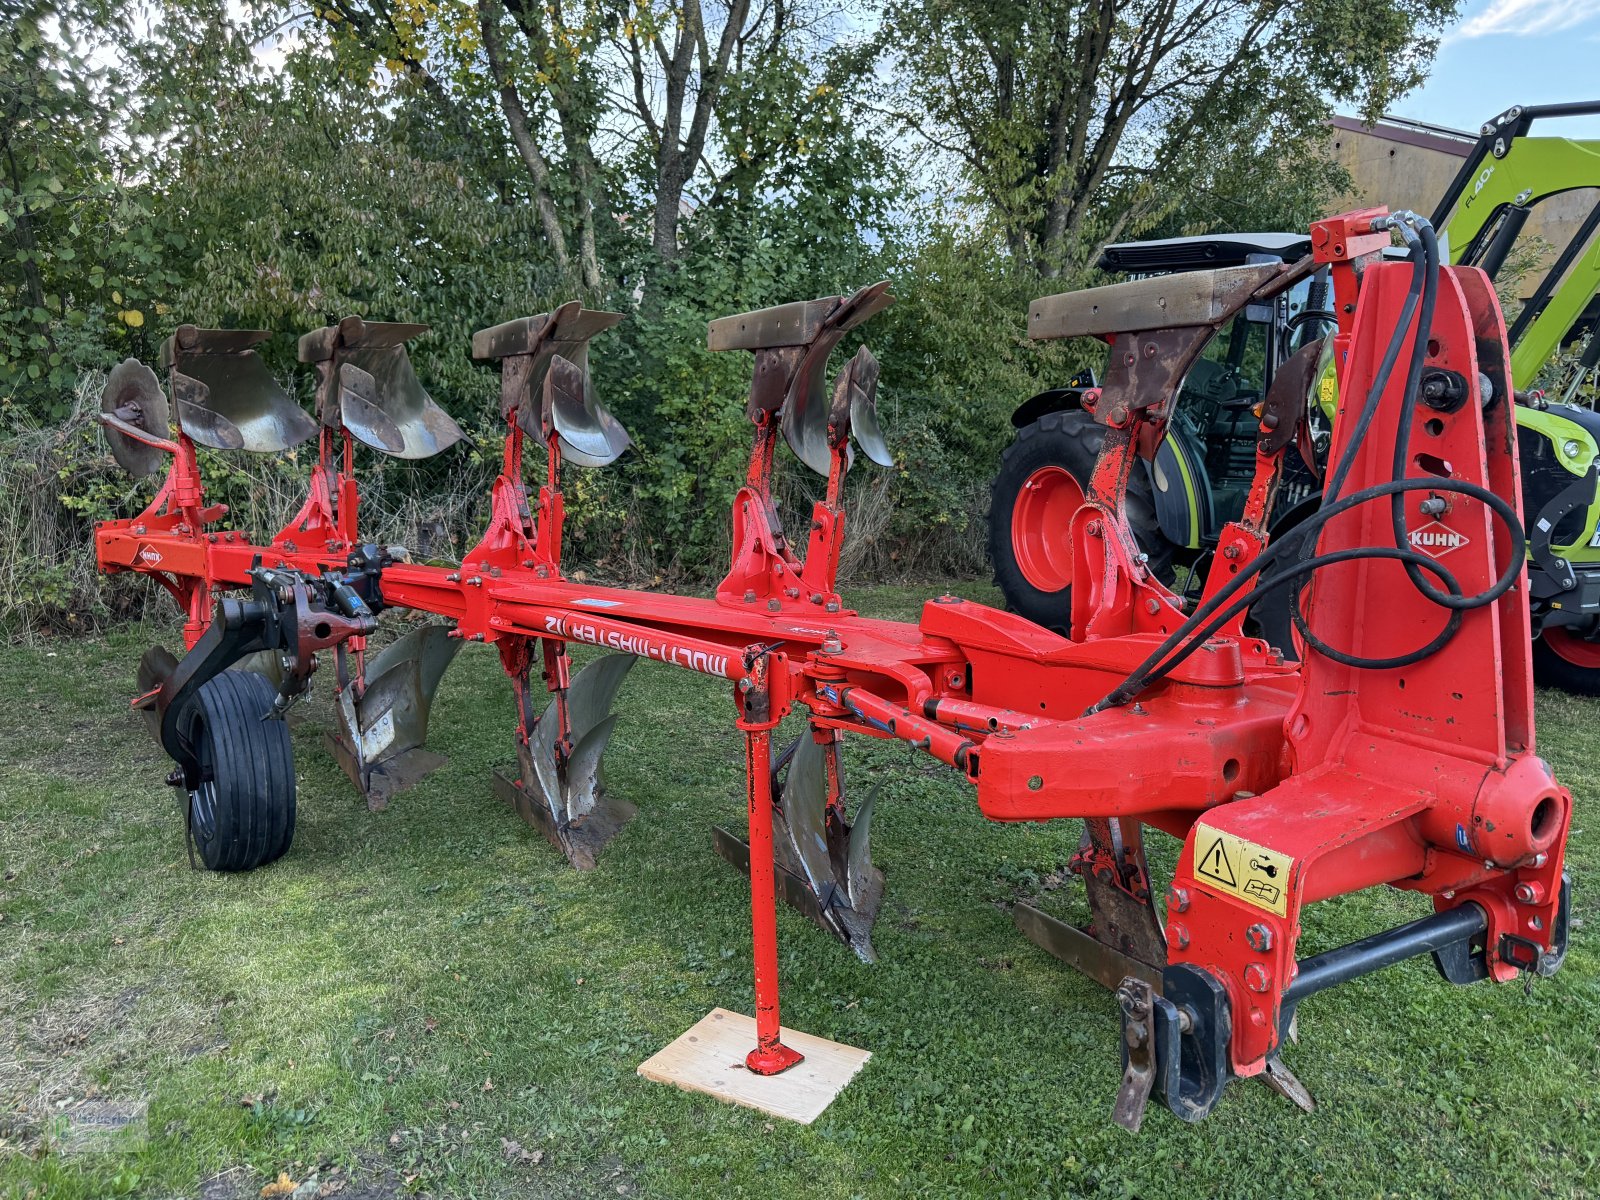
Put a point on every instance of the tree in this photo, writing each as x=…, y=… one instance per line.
x=1078, y=122
x=80, y=258
x=609, y=108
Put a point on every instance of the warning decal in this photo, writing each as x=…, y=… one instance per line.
x=1228, y=863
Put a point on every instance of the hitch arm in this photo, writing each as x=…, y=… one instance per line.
x=288, y=613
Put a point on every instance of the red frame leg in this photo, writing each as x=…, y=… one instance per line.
x=771, y=1056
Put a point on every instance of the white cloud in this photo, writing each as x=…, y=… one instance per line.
x=1526, y=18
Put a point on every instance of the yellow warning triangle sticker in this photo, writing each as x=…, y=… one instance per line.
x=1215, y=865
x=1256, y=874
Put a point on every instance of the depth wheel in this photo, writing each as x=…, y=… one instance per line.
x=1563, y=658
x=1043, y=478
x=241, y=816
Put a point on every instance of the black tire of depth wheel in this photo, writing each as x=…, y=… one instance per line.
x=1070, y=440
x=242, y=815
x=1551, y=670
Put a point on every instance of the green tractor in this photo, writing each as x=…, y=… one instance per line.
x=1200, y=475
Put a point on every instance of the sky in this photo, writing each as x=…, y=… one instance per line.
x=1505, y=52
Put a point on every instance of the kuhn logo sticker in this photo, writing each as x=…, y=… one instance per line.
x=1436, y=540
x=150, y=555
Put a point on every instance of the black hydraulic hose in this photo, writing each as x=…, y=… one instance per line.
x=1219, y=615
x=1453, y=600
x=1154, y=667
x=1402, y=451
x=1228, y=603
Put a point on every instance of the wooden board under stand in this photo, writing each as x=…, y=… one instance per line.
x=710, y=1058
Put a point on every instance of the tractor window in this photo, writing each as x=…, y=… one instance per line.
x=1217, y=410
x=1230, y=373
x=1308, y=312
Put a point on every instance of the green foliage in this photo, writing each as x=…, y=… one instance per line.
x=346, y=1004
x=1075, y=124
x=166, y=173
x=81, y=255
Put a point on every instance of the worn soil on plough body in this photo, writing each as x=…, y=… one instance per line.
x=428, y=1000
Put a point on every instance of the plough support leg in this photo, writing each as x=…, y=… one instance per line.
x=823, y=859
x=771, y=1056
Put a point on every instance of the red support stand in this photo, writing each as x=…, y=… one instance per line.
x=771, y=1056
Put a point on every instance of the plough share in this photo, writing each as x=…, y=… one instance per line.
x=1399, y=751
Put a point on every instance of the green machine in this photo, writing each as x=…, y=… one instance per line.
x=1201, y=473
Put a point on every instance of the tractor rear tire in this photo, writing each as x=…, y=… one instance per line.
x=1563, y=659
x=242, y=814
x=1044, y=475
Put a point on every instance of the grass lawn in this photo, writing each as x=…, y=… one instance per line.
x=429, y=1000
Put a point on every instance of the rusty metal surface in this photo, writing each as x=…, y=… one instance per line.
x=133, y=394
x=527, y=335
x=581, y=843
x=546, y=384
x=1161, y=302
x=1143, y=375
x=1137, y=1000
x=191, y=339
x=806, y=408
x=792, y=889
x=797, y=324
x=792, y=343
x=824, y=860
x=231, y=402
x=383, y=722
x=560, y=760
x=1080, y=950
x=385, y=406
x=1117, y=882
x=1284, y=409
x=354, y=333
x=1285, y=1083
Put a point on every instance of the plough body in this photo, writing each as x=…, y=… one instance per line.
x=1288, y=783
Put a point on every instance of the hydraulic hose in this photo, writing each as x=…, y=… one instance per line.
x=1228, y=602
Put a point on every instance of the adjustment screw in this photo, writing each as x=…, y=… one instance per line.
x=1259, y=938
x=1178, y=899
x=1257, y=978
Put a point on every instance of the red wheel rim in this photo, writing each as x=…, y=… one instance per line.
x=1041, y=527
x=1566, y=644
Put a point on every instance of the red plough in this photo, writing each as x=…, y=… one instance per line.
x=1400, y=751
